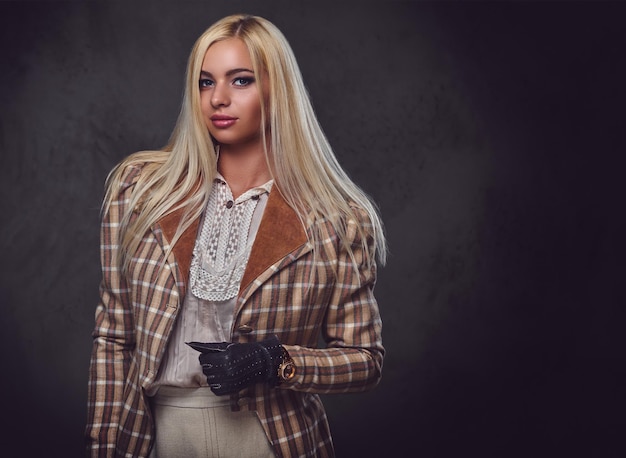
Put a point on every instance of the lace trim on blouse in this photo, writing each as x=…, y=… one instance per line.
x=221, y=251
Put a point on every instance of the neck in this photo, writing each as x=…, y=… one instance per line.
x=243, y=168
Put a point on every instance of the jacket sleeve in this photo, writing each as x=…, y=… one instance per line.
x=353, y=358
x=113, y=336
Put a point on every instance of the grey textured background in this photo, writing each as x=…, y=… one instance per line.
x=491, y=135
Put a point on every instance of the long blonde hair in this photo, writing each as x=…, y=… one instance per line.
x=302, y=163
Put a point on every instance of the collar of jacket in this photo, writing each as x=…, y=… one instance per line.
x=280, y=233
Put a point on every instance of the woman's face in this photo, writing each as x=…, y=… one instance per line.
x=230, y=95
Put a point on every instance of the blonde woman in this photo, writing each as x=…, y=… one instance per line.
x=226, y=258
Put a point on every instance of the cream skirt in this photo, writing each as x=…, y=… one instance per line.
x=194, y=422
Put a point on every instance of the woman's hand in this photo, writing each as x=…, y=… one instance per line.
x=230, y=367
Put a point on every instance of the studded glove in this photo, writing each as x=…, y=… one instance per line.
x=230, y=367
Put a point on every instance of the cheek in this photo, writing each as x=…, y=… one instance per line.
x=258, y=111
x=255, y=107
x=206, y=109
x=204, y=103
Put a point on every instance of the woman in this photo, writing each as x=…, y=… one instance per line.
x=225, y=258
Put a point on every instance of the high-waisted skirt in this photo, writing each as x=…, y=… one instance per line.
x=194, y=422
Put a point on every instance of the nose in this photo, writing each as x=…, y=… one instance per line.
x=220, y=96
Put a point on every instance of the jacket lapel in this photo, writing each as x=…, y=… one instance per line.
x=280, y=232
x=183, y=249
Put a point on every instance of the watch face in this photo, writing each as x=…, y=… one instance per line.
x=289, y=370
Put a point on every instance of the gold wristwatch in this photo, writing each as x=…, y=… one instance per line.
x=287, y=369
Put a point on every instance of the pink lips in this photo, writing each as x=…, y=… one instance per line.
x=222, y=121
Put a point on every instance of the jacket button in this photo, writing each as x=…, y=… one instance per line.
x=244, y=329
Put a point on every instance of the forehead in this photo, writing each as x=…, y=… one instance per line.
x=226, y=55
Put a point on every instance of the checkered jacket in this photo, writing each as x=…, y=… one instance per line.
x=286, y=290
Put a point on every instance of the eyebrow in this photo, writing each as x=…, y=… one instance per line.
x=228, y=73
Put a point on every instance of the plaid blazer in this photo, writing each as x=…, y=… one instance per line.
x=290, y=288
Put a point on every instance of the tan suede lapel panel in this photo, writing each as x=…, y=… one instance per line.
x=279, y=233
x=184, y=247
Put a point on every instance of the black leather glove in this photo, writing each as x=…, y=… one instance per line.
x=230, y=367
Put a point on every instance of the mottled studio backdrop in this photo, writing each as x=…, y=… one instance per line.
x=490, y=134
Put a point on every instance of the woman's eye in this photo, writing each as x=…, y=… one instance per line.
x=205, y=83
x=242, y=81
